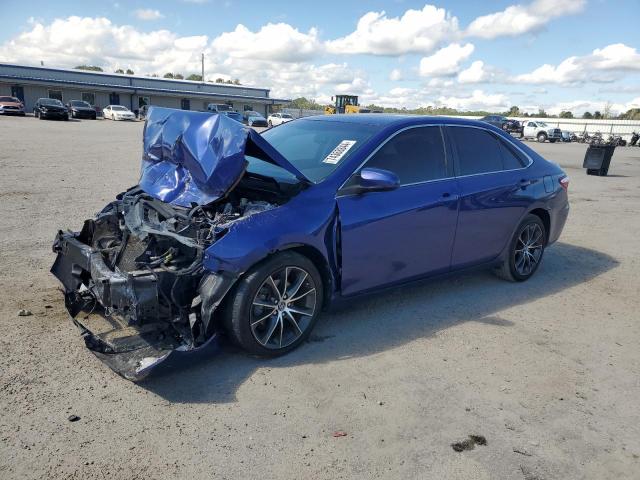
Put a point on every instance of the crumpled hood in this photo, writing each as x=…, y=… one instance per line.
x=197, y=157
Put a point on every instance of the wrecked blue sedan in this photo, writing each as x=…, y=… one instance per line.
x=252, y=235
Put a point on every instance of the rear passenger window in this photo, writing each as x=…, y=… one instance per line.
x=415, y=155
x=478, y=150
x=511, y=158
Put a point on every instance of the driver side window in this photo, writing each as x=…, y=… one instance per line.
x=415, y=155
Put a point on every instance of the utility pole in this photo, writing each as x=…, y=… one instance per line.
x=203, y=68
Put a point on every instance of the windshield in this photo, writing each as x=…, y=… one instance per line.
x=51, y=101
x=307, y=144
x=79, y=103
x=119, y=108
x=9, y=99
x=542, y=124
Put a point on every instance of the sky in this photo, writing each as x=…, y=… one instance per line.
x=556, y=55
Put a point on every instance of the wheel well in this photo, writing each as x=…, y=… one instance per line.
x=541, y=133
x=543, y=215
x=321, y=264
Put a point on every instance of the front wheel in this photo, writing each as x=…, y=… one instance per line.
x=270, y=124
x=275, y=305
x=542, y=137
x=525, y=250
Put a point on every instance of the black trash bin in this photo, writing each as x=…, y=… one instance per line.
x=597, y=159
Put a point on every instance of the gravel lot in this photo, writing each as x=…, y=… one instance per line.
x=547, y=371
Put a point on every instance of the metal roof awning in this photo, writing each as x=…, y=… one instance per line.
x=135, y=89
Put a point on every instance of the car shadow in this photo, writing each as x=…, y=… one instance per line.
x=379, y=322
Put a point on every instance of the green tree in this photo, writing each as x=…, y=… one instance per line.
x=119, y=71
x=597, y=115
x=195, y=77
x=305, y=104
x=178, y=76
x=92, y=68
x=168, y=75
x=236, y=81
x=513, y=112
x=542, y=113
x=219, y=80
x=587, y=115
x=130, y=72
x=566, y=114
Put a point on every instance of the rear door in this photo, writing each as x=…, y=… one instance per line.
x=495, y=191
x=391, y=236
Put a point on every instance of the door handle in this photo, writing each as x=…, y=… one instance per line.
x=526, y=183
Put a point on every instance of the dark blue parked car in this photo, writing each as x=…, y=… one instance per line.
x=229, y=230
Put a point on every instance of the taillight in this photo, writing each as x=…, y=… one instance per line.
x=564, y=183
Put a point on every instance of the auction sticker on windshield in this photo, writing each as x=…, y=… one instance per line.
x=340, y=151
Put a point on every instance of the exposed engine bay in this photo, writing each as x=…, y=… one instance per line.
x=134, y=280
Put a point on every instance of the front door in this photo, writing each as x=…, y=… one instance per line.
x=18, y=92
x=495, y=191
x=391, y=236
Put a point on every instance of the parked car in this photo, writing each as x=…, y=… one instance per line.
x=500, y=121
x=50, y=108
x=11, y=106
x=233, y=115
x=566, y=136
x=254, y=119
x=81, y=109
x=253, y=234
x=278, y=119
x=118, y=112
x=541, y=131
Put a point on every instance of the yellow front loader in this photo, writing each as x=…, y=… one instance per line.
x=343, y=104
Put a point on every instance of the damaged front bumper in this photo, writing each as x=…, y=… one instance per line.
x=125, y=317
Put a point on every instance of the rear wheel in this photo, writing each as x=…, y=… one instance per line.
x=525, y=250
x=552, y=140
x=275, y=305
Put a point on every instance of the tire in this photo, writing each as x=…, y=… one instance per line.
x=552, y=140
x=270, y=124
x=65, y=118
x=542, y=137
x=247, y=322
x=510, y=269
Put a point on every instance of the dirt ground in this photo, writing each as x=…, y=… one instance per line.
x=547, y=371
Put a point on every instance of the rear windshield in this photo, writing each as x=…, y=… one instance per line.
x=316, y=148
x=51, y=101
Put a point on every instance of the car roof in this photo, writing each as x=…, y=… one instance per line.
x=383, y=120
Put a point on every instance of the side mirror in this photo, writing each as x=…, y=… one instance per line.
x=373, y=180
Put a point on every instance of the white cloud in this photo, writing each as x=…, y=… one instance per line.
x=395, y=75
x=278, y=42
x=417, y=31
x=478, y=72
x=519, y=19
x=602, y=65
x=446, y=61
x=148, y=14
x=477, y=100
x=578, y=107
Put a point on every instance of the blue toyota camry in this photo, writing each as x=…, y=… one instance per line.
x=229, y=231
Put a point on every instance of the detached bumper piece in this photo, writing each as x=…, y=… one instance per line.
x=123, y=315
x=117, y=312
